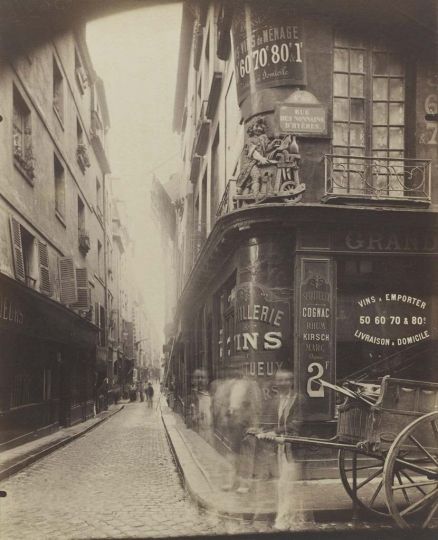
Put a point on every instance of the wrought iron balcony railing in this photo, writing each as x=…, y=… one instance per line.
x=374, y=178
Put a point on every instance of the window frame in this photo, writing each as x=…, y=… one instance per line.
x=58, y=84
x=21, y=137
x=364, y=147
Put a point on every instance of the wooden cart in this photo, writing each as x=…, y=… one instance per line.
x=388, y=449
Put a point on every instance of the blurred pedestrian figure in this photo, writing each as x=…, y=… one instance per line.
x=133, y=392
x=290, y=509
x=141, y=389
x=243, y=413
x=150, y=395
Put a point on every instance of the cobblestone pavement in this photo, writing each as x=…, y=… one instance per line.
x=117, y=481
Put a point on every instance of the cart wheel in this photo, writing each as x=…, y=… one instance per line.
x=411, y=473
x=362, y=477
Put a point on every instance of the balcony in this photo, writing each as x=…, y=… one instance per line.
x=377, y=179
x=84, y=242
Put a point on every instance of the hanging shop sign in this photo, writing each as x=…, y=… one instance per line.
x=392, y=319
x=301, y=119
x=316, y=337
x=268, y=48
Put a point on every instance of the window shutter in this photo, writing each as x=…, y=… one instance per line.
x=43, y=259
x=83, y=293
x=17, y=250
x=67, y=280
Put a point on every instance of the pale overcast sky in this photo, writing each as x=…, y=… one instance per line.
x=135, y=53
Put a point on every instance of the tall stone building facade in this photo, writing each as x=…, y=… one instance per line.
x=54, y=242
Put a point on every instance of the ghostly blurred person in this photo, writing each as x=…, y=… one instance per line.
x=244, y=405
x=290, y=510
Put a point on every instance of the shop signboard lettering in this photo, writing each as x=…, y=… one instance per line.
x=301, y=119
x=261, y=341
x=10, y=312
x=315, y=359
x=392, y=319
x=417, y=241
x=268, y=48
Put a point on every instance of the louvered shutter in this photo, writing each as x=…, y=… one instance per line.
x=83, y=293
x=17, y=250
x=43, y=260
x=67, y=280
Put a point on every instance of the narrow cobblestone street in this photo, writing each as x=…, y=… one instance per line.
x=119, y=480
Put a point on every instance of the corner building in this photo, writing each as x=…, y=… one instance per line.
x=309, y=233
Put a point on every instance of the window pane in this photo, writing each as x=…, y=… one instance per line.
x=396, y=89
x=380, y=113
x=395, y=65
x=380, y=137
x=341, y=60
x=357, y=135
x=340, y=150
x=357, y=61
x=340, y=109
x=356, y=85
x=380, y=64
x=357, y=110
x=358, y=152
x=340, y=85
x=340, y=134
x=396, y=138
x=396, y=113
x=380, y=89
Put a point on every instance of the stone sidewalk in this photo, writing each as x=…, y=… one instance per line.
x=15, y=459
x=205, y=470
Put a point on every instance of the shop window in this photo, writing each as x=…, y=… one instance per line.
x=369, y=83
x=59, y=188
x=385, y=323
x=22, y=137
x=58, y=91
x=21, y=392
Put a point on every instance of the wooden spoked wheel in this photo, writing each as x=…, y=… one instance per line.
x=362, y=477
x=411, y=474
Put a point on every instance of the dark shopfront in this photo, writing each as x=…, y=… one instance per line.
x=326, y=299
x=47, y=364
